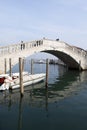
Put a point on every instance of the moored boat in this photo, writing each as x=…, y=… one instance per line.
x=28, y=80
x=7, y=82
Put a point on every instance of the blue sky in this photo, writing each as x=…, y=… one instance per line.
x=34, y=19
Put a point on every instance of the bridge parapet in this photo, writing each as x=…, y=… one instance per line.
x=45, y=43
x=19, y=47
x=64, y=46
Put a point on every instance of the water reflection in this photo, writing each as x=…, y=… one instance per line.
x=37, y=95
x=37, y=99
x=42, y=108
x=20, y=118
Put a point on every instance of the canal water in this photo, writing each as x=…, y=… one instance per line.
x=63, y=106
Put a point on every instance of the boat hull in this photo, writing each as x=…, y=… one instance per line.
x=28, y=80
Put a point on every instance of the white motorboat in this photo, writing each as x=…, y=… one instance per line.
x=28, y=80
x=7, y=82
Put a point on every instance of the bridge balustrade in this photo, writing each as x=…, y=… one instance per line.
x=19, y=47
x=3, y=50
x=76, y=50
x=47, y=44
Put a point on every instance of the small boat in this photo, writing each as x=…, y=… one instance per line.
x=13, y=82
x=28, y=80
x=5, y=80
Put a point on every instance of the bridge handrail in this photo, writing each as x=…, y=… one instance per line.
x=70, y=48
x=33, y=44
x=75, y=49
x=19, y=47
x=80, y=50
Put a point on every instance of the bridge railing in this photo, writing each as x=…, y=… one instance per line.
x=19, y=47
x=73, y=49
x=76, y=50
x=37, y=43
x=62, y=46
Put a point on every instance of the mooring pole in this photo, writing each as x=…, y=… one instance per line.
x=31, y=66
x=46, y=98
x=5, y=63
x=47, y=64
x=23, y=64
x=79, y=65
x=10, y=67
x=21, y=76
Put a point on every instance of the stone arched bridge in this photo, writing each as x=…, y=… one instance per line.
x=73, y=57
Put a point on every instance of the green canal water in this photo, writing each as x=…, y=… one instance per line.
x=63, y=106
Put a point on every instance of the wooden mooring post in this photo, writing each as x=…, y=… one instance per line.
x=79, y=65
x=21, y=76
x=10, y=67
x=47, y=64
x=5, y=63
x=23, y=62
x=31, y=66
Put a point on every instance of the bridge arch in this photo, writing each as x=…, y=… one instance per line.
x=72, y=56
x=67, y=59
